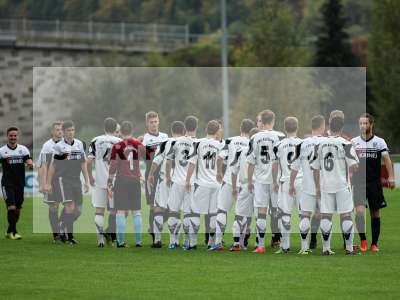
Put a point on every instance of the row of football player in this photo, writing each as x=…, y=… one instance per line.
x=214, y=201
x=288, y=173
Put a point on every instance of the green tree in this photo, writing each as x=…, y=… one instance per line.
x=384, y=65
x=333, y=48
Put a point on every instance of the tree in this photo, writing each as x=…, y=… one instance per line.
x=333, y=48
x=384, y=65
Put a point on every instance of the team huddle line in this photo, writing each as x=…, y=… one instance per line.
x=262, y=172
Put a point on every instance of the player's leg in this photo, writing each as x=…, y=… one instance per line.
x=9, y=197
x=261, y=200
x=158, y=224
x=135, y=192
x=224, y=204
x=99, y=222
x=348, y=231
x=285, y=206
x=360, y=225
x=315, y=225
x=69, y=218
x=121, y=228
x=212, y=211
x=376, y=201
x=194, y=228
x=345, y=207
x=304, y=227
x=19, y=200
x=54, y=220
x=99, y=201
x=275, y=215
x=175, y=201
x=328, y=204
x=112, y=225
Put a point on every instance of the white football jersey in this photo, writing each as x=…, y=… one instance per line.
x=204, y=157
x=161, y=154
x=179, y=154
x=334, y=156
x=241, y=168
x=261, y=154
x=303, y=163
x=46, y=152
x=231, y=152
x=286, y=152
x=154, y=140
x=100, y=151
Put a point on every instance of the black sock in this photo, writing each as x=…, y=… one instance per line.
x=11, y=221
x=315, y=223
x=207, y=229
x=17, y=214
x=53, y=217
x=111, y=226
x=69, y=224
x=376, y=230
x=360, y=224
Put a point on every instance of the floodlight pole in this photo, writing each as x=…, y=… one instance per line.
x=225, y=79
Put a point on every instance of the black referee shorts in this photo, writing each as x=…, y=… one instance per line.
x=371, y=192
x=127, y=194
x=13, y=195
x=67, y=191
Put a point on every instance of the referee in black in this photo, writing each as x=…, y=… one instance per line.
x=13, y=158
x=370, y=149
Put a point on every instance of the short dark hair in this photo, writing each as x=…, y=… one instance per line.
x=212, y=127
x=253, y=131
x=191, y=123
x=67, y=124
x=317, y=121
x=126, y=128
x=178, y=127
x=370, y=118
x=267, y=116
x=247, y=125
x=291, y=124
x=12, y=128
x=110, y=125
x=336, y=124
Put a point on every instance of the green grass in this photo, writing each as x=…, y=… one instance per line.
x=33, y=268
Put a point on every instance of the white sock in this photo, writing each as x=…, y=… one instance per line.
x=326, y=227
x=285, y=227
x=172, y=224
x=99, y=222
x=348, y=231
x=261, y=225
x=194, y=228
x=220, y=226
x=158, y=222
x=186, y=227
x=304, y=226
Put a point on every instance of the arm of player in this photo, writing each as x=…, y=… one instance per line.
x=293, y=175
x=85, y=176
x=220, y=175
x=389, y=168
x=316, y=175
x=189, y=174
x=42, y=173
x=275, y=176
x=168, y=168
x=113, y=168
x=89, y=168
x=250, y=172
x=150, y=178
x=50, y=174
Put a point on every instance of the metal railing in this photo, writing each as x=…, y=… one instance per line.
x=122, y=34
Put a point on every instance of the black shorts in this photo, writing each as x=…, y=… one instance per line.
x=66, y=191
x=13, y=195
x=373, y=192
x=127, y=194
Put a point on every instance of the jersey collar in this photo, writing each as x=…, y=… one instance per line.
x=8, y=146
x=367, y=139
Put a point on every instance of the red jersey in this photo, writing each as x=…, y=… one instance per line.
x=125, y=157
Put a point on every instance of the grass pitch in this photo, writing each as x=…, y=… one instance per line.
x=34, y=268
